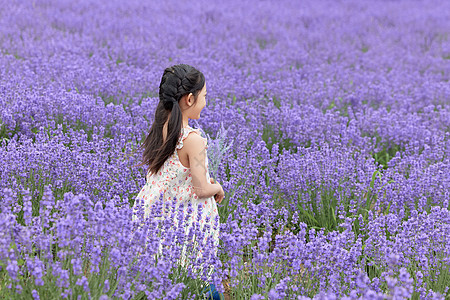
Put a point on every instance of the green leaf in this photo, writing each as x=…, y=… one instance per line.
x=308, y=215
x=20, y=262
x=334, y=216
x=387, y=210
x=374, y=175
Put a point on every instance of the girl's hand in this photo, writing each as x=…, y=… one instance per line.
x=220, y=195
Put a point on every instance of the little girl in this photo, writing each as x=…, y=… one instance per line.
x=176, y=153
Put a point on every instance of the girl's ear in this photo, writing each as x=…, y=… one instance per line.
x=190, y=97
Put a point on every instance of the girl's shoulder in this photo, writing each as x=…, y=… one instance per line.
x=188, y=129
x=191, y=129
x=186, y=134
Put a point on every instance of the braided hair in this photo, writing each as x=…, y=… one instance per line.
x=177, y=81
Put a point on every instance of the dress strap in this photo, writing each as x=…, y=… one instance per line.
x=184, y=134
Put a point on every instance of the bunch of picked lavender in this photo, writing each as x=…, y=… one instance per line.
x=217, y=147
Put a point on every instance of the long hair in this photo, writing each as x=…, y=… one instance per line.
x=177, y=81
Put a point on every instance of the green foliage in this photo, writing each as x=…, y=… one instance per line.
x=323, y=213
x=262, y=43
x=339, y=105
x=6, y=134
x=225, y=208
x=319, y=212
x=35, y=181
x=272, y=136
x=276, y=102
x=385, y=155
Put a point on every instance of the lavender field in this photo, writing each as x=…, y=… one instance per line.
x=337, y=173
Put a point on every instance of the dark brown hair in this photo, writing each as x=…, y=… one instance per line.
x=177, y=81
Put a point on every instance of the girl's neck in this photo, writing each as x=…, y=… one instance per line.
x=185, y=122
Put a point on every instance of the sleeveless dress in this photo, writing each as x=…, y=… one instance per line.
x=175, y=180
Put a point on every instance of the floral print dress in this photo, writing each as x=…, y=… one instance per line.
x=175, y=180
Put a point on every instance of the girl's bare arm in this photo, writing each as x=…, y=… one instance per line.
x=195, y=148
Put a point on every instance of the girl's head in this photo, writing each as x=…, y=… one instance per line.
x=181, y=96
x=182, y=84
